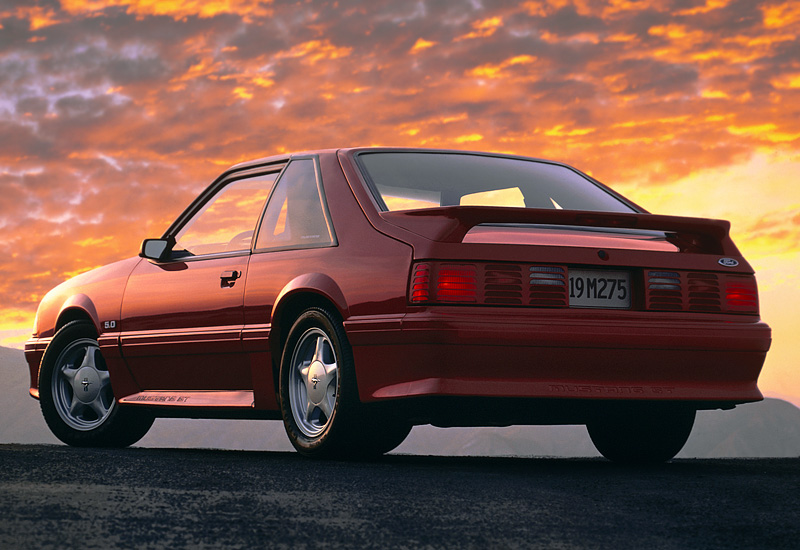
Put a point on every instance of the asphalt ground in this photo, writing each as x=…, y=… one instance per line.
x=61, y=497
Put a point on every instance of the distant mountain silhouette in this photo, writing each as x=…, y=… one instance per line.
x=770, y=428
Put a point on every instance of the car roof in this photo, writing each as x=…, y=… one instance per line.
x=254, y=163
x=278, y=158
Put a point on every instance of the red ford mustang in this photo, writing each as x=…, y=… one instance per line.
x=355, y=293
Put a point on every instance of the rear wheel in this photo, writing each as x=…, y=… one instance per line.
x=76, y=397
x=321, y=411
x=317, y=394
x=641, y=433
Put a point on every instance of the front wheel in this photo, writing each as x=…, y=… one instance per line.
x=76, y=397
x=641, y=433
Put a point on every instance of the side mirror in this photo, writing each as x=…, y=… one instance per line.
x=157, y=249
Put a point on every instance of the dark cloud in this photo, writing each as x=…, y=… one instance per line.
x=649, y=76
x=258, y=40
x=33, y=106
x=568, y=22
x=15, y=33
x=639, y=23
x=127, y=71
x=737, y=17
x=20, y=142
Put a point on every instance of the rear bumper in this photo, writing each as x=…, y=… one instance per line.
x=575, y=354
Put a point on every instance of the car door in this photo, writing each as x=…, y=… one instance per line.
x=182, y=317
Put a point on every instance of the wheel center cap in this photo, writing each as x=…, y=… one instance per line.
x=317, y=382
x=86, y=385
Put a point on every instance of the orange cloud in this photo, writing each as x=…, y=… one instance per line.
x=177, y=9
x=38, y=17
x=768, y=132
x=483, y=28
x=314, y=51
x=421, y=44
x=710, y=5
x=498, y=71
x=783, y=14
x=470, y=138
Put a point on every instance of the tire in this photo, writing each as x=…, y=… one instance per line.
x=319, y=400
x=76, y=397
x=641, y=433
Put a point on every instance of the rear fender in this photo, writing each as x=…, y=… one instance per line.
x=317, y=289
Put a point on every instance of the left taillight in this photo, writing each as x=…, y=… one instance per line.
x=457, y=283
x=491, y=284
x=420, y=290
x=442, y=282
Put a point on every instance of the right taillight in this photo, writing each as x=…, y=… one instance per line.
x=703, y=292
x=741, y=294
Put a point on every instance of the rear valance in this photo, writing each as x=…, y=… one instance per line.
x=450, y=224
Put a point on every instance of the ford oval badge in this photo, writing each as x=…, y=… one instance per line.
x=728, y=262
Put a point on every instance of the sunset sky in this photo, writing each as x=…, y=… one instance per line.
x=115, y=114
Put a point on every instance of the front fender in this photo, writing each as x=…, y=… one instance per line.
x=82, y=303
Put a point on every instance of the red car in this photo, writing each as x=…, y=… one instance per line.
x=355, y=293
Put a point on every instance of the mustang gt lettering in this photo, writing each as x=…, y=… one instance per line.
x=356, y=293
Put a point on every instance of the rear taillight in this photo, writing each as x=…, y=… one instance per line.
x=489, y=284
x=457, y=283
x=700, y=291
x=420, y=283
x=741, y=294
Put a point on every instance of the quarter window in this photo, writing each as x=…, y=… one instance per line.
x=227, y=222
x=296, y=216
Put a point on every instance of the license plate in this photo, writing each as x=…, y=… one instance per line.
x=599, y=288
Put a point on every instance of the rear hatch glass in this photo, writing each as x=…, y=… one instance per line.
x=408, y=180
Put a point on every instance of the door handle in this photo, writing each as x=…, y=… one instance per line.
x=229, y=276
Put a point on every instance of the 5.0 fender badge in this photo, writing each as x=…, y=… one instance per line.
x=728, y=262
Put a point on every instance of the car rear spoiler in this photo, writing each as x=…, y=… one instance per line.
x=450, y=224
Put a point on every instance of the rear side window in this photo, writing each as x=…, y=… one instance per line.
x=296, y=216
x=404, y=180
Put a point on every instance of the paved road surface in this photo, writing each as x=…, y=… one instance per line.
x=60, y=497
